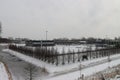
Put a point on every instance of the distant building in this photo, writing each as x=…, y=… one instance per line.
x=5, y=40
x=18, y=40
x=40, y=43
x=63, y=42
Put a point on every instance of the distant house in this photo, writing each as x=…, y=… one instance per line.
x=40, y=43
x=63, y=42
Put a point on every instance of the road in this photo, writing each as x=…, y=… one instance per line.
x=17, y=67
x=14, y=64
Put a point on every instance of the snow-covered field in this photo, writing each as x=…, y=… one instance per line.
x=67, y=48
x=3, y=72
x=74, y=48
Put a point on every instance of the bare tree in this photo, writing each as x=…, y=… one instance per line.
x=63, y=56
x=31, y=72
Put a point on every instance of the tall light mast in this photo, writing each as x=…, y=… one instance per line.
x=46, y=34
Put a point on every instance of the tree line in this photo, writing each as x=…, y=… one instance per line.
x=52, y=56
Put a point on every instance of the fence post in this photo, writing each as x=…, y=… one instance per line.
x=63, y=59
x=68, y=58
x=73, y=57
x=57, y=60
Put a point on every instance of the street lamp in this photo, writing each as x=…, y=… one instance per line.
x=80, y=65
x=80, y=68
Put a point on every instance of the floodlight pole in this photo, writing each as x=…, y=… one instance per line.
x=80, y=66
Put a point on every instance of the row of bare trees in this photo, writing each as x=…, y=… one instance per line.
x=54, y=57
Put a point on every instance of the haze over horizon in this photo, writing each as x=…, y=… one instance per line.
x=61, y=18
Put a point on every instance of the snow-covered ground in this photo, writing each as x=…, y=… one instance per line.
x=3, y=72
x=53, y=68
x=60, y=70
x=86, y=72
x=63, y=71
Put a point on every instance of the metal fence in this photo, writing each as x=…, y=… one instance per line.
x=52, y=56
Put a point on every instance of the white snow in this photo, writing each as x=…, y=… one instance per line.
x=56, y=69
x=86, y=72
x=18, y=44
x=73, y=48
x=70, y=48
x=67, y=48
x=3, y=72
x=52, y=69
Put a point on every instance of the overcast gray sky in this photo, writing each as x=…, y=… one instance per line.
x=62, y=18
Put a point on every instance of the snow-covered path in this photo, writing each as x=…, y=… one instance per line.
x=15, y=66
x=3, y=72
x=87, y=71
x=89, y=64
